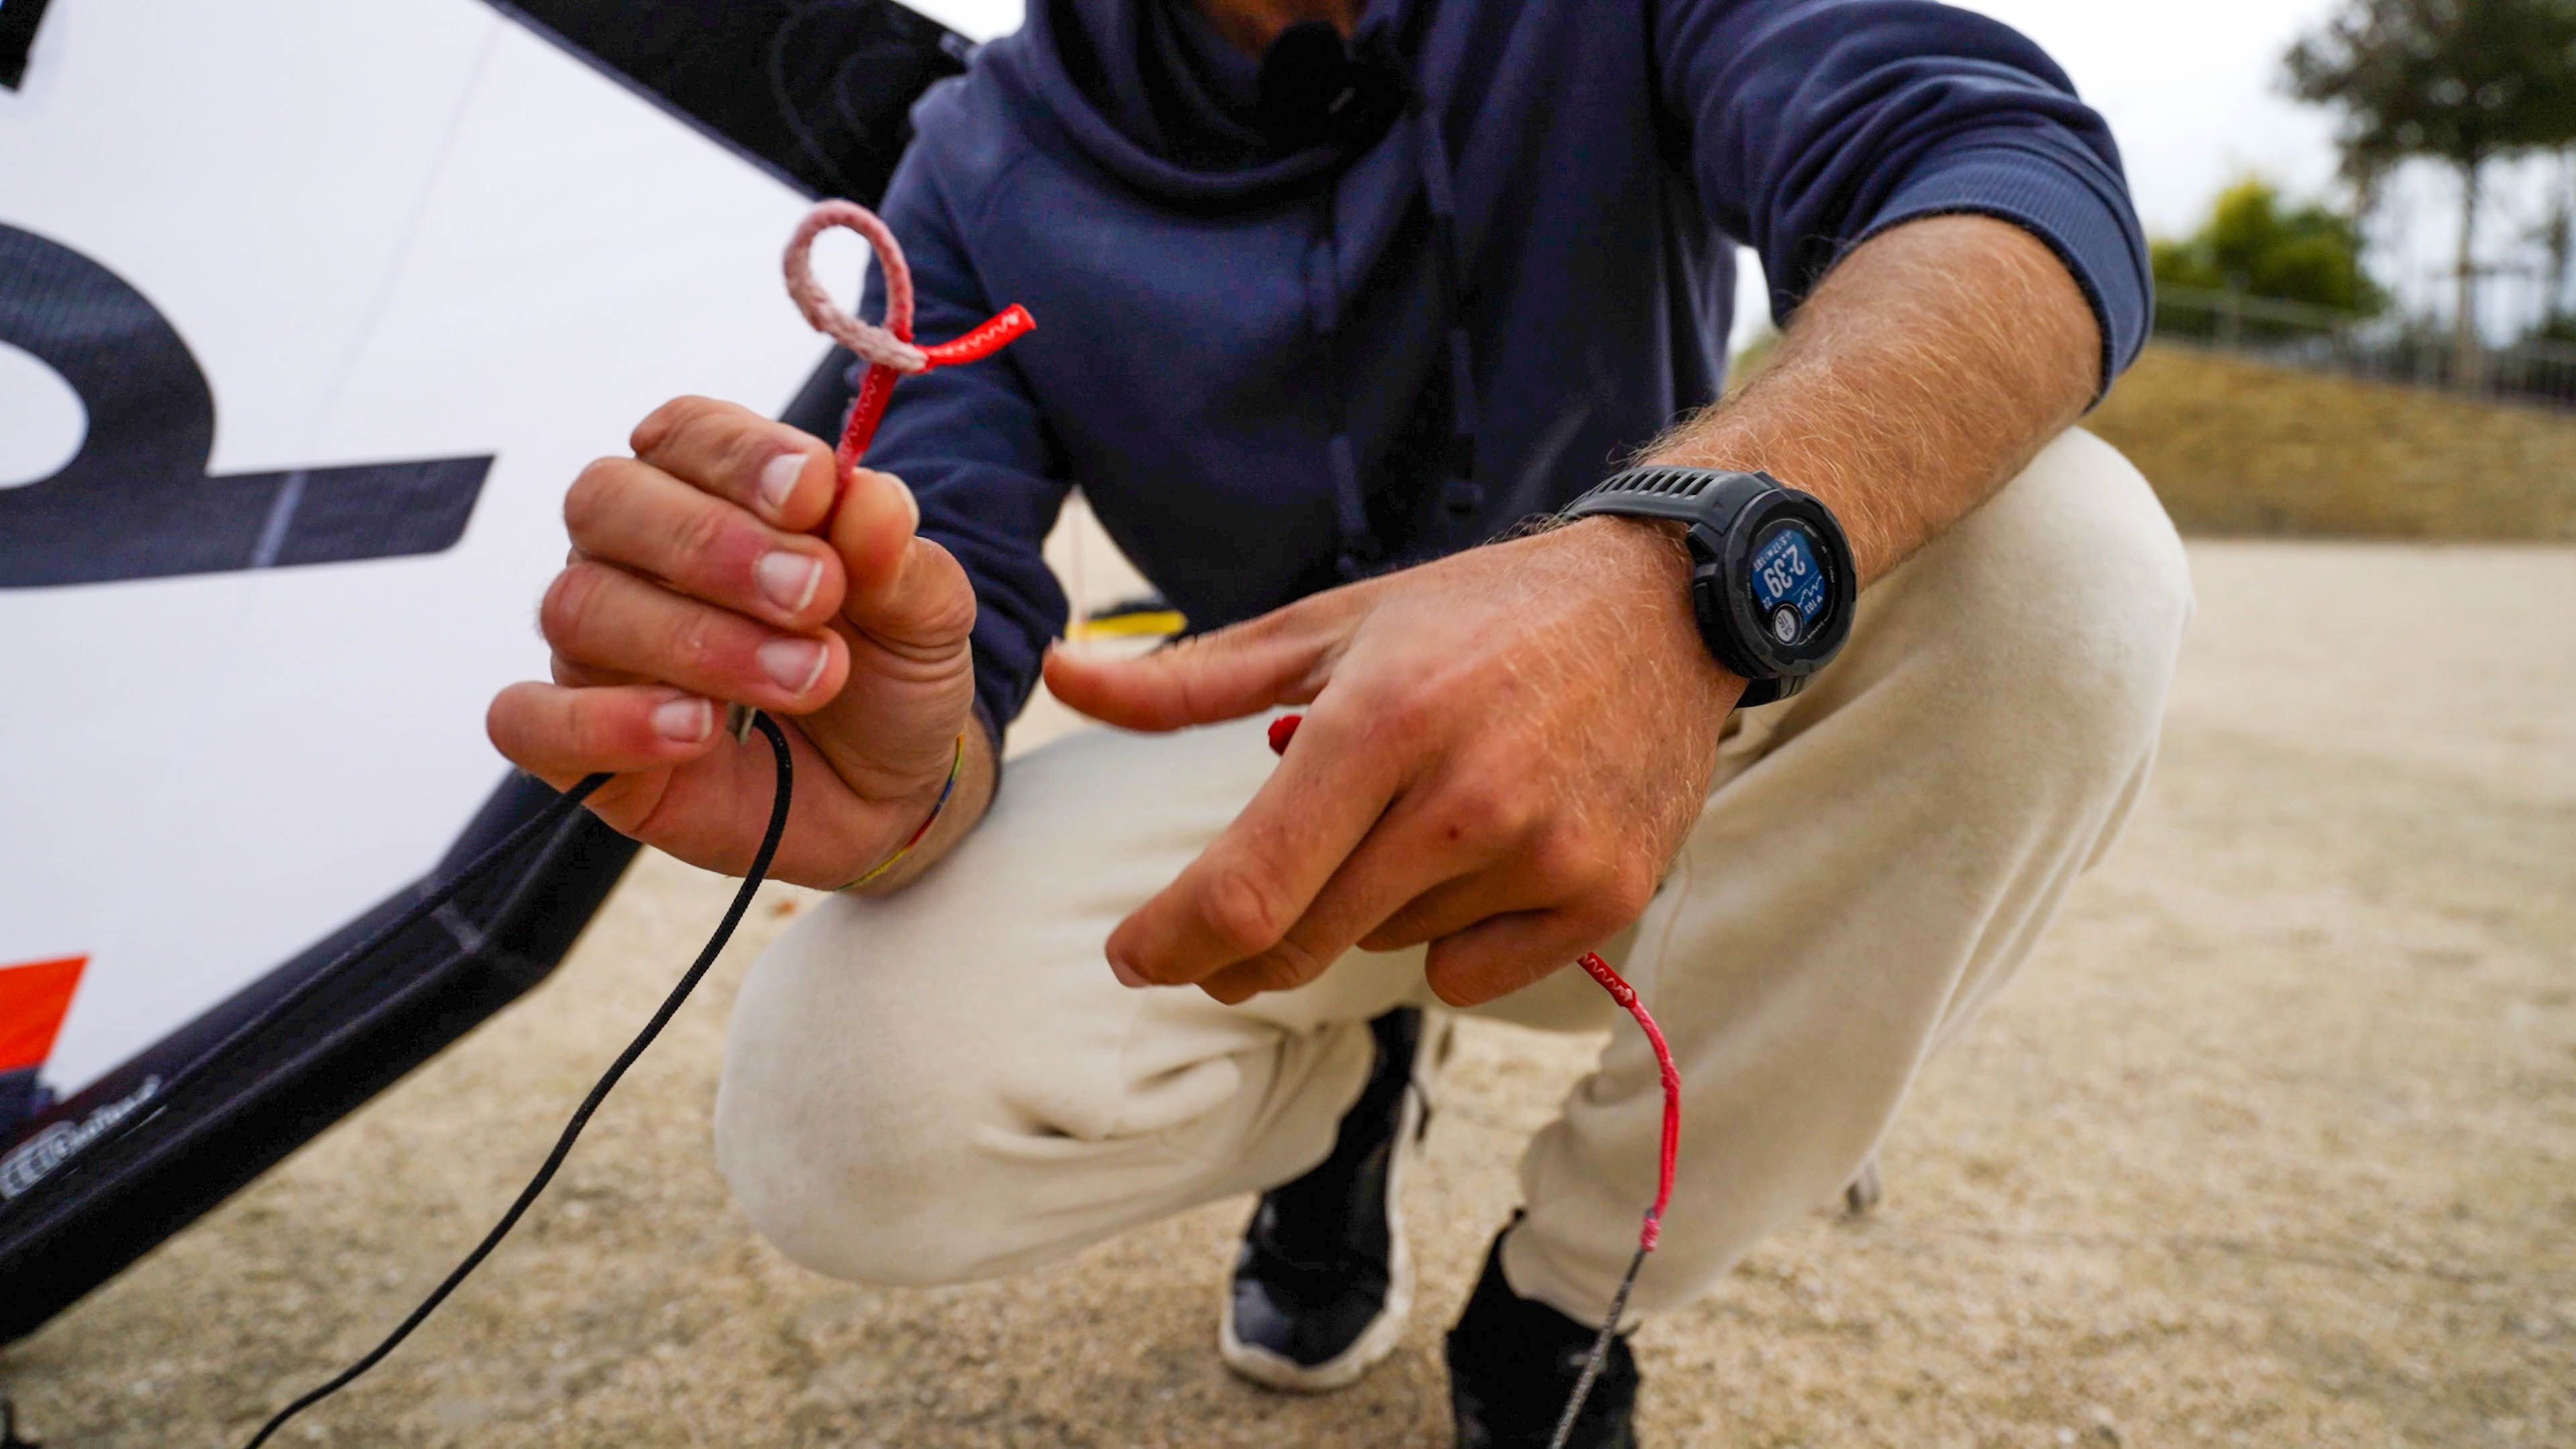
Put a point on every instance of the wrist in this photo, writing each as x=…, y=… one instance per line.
x=1647, y=566
x=929, y=806
x=1642, y=549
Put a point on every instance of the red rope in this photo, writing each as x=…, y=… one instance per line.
x=1626, y=995
x=1284, y=729
x=888, y=350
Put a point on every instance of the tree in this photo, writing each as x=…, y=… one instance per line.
x=2557, y=238
x=2256, y=245
x=2464, y=82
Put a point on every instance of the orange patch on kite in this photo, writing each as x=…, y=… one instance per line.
x=33, y=998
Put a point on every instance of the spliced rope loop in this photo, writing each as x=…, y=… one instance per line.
x=888, y=350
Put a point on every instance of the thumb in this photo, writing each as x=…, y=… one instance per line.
x=904, y=590
x=1282, y=657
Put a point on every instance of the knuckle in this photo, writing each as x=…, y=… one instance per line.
x=1290, y=963
x=949, y=613
x=1455, y=985
x=1624, y=896
x=693, y=644
x=1486, y=809
x=699, y=534
x=1404, y=714
x=1563, y=858
x=1243, y=909
x=1286, y=971
x=591, y=496
x=660, y=424
x=1402, y=927
x=568, y=603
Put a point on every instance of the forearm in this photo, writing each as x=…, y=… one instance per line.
x=1928, y=368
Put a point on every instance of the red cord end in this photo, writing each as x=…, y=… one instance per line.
x=1282, y=730
x=1650, y=1234
x=1007, y=326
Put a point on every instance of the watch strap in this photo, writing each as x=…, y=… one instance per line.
x=1677, y=494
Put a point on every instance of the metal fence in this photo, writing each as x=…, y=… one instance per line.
x=2389, y=349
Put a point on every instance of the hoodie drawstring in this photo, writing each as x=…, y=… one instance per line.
x=1460, y=492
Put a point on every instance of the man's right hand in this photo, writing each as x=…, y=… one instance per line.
x=722, y=564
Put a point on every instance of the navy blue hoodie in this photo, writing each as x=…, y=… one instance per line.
x=1334, y=311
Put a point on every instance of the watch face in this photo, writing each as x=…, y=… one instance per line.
x=1790, y=589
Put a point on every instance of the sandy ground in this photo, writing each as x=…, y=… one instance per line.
x=2273, y=1142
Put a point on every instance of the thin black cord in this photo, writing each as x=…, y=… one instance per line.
x=1600, y=1355
x=589, y=1104
x=302, y=991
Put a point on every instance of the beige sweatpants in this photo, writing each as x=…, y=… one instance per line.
x=948, y=1084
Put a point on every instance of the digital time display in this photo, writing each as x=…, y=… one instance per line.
x=1789, y=587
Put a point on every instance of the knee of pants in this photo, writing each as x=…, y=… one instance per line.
x=2050, y=619
x=854, y=1117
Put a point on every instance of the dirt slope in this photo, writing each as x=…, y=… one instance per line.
x=2238, y=447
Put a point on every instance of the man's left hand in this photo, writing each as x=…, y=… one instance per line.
x=1503, y=752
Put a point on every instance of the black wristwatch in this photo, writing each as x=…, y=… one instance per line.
x=1771, y=576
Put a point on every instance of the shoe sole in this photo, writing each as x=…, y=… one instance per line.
x=1386, y=1330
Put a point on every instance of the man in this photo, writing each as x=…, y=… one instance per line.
x=1331, y=299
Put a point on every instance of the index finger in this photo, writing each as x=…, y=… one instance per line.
x=1238, y=899
x=784, y=475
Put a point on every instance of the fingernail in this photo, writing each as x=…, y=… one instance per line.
x=789, y=579
x=794, y=663
x=1125, y=973
x=778, y=480
x=685, y=721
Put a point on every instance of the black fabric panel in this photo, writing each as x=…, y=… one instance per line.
x=817, y=92
x=136, y=501
x=18, y=20
x=822, y=405
x=69, y=1220
x=21, y=1097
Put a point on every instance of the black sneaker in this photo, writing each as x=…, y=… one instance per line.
x=1513, y=1365
x=1324, y=1281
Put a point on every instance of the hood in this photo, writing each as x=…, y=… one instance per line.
x=1151, y=92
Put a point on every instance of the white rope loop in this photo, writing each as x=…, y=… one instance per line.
x=889, y=346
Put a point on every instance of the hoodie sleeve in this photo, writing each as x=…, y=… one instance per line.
x=973, y=446
x=1812, y=125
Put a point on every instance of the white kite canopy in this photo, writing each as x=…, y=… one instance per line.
x=403, y=231
x=309, y=311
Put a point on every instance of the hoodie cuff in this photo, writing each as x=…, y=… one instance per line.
x=2081, y=213
x=991, y=726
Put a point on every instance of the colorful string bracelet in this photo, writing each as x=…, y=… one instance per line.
x=956, y=766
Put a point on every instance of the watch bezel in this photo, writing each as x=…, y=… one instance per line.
x=1722, y=587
